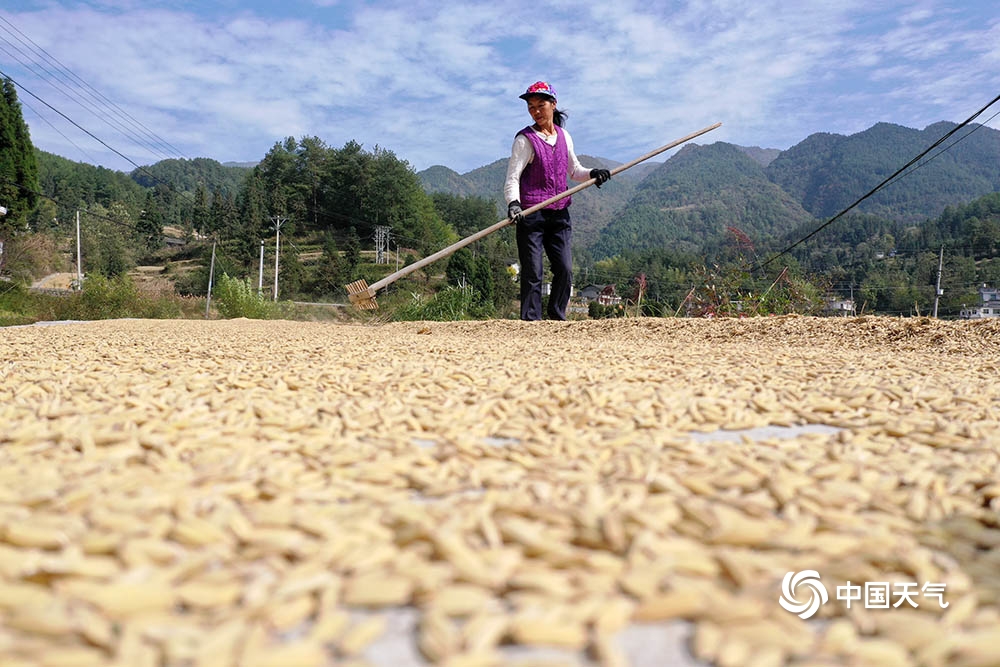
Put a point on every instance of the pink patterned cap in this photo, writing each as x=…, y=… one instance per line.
x=539, y=88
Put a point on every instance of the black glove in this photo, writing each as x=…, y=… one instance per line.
x=514, y=212
x=600, y=175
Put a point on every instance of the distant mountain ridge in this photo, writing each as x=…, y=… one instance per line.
x=828, y=172
x=695, y=195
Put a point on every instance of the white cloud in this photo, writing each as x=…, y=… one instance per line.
x=437, y=82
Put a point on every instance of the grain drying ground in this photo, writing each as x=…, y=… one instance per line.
x=273, y=493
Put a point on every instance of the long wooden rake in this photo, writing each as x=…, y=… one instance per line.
x=362, y=294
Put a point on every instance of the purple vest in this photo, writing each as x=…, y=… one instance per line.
x=545, y=176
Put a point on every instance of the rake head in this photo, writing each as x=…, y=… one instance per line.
x=361, y=295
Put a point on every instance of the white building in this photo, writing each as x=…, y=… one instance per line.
x=838, y=306
x=988, y=306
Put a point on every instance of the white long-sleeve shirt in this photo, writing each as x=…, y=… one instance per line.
x=522, y=154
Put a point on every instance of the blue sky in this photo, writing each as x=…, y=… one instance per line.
x=437, y=82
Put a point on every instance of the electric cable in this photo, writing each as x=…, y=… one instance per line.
x=58, y=131
x=123, y=225
x=155, y=179
x=86, y=87
x=62, y=89
x=80, y=127
x=952, y=145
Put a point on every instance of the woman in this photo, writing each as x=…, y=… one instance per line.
x=540, y=161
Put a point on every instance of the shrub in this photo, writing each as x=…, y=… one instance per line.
x=103, y=298
x=238, y=298
x=32, y=256
x=450, y=304
x=15, y=304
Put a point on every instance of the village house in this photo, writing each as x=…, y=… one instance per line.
x=988, y=306
x=605, y=295
x=839, y=306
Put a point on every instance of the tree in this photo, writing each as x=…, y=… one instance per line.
x=201, y=214
x=149, y=228
x=252, y=215
x=291, y=272
x=278, y=175
x=466, y=215
x=311, y=156
x=106, y=240
x=18, y=163
x=482, y=279
x=352, y=252
x=224, y=216
x=331, y=272
x=461, y=266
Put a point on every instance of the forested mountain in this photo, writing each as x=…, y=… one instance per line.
x=694, y=197
x=828, y=172
x=186, y=175
x=76, y=185
x=443, y=179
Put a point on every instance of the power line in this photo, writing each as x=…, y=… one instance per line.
x=61, y=88
x=101, y=100
x=57, y=130
x=155, y=179
x=975, y=128
x=80, y=127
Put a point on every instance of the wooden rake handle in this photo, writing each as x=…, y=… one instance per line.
x=454, y=247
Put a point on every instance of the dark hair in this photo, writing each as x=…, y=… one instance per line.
x=559, y=117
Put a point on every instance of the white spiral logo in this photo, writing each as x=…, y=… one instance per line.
x=818, y=595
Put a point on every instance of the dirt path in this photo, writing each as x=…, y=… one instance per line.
x=55, y=281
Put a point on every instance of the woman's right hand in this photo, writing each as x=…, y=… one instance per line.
x=514, y=212
x=600, y=175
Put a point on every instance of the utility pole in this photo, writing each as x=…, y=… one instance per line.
x=397, y=250
x=278, y=222
x=937, y=290
x=3, y=212
x=211, y=275
x=381, y=241
x=79, y=266
x=260, y=278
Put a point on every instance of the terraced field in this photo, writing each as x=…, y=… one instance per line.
x=490, y=493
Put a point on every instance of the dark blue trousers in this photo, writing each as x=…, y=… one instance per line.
x=549, y=231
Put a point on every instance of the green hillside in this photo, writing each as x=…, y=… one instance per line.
x=77, y=184
x=442, y=179
x=694, y=197
x=764, y=156
x=187, y=175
